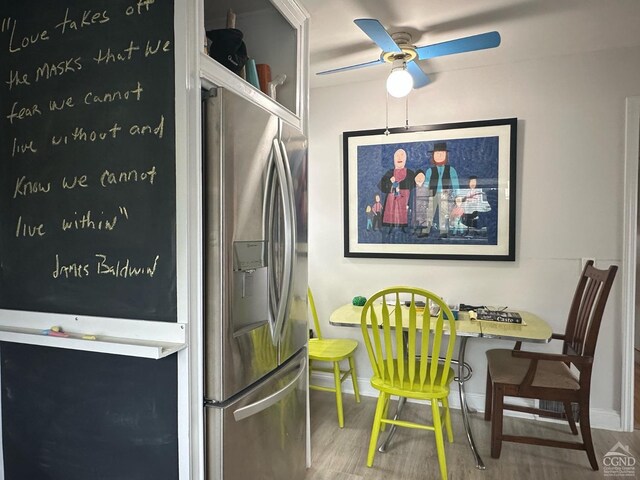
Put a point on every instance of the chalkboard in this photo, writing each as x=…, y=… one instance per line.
x=87, y=158
x=74, y=415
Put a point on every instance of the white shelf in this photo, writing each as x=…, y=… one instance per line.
x=135, y=338
x=212, y=74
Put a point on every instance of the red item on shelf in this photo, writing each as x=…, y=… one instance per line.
x=264, y=76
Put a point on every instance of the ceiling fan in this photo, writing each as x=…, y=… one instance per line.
x=398, y=50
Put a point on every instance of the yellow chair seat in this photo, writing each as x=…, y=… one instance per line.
x=391, y=383
x=331, y=349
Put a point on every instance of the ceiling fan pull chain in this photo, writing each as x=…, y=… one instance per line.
x=406, y=112
x=386, y=131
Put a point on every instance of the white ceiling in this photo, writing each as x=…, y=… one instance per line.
x=529, y=29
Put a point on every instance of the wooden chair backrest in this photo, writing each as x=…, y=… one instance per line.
x=587, y=308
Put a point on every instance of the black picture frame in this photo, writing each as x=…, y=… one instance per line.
x=462, y=207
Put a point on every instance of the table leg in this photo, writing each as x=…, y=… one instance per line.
x=466, y=377
x=383, y=448
x=463, y=404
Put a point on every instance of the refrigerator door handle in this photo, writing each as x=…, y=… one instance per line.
x=267, y=225
x=291, y=233
x=262, y=404
x=288, y=228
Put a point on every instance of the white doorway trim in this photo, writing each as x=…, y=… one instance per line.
x=631, y=153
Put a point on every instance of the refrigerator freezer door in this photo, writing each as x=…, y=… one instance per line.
x=294, y=332
x=240, y=342
x=262, y=433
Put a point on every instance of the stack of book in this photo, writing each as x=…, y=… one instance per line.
x=498, y=316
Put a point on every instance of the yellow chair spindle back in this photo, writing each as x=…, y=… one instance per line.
x=395, y=356
x=375, y=356
x=437, y=342
x=411, y=343
x=399, y=340
x=314, y=314
x=386, y=329
x=424, y=347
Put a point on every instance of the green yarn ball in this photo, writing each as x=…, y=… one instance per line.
x=359, y=301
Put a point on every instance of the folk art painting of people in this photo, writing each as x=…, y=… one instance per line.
x=473, y=203
x=455, y=218
x=419, y=206
x=433, y=191
x=410, y=192
x=377, y=210
x=442, y=179
x=397, y=184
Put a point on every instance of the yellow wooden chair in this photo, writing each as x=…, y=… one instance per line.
x=401, y=358
x=332, y=350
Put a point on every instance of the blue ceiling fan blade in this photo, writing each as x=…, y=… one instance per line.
x=376, y=32
x=420, y=79
x=460, y=45
x=351, y=67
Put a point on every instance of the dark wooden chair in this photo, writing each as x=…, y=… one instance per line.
x=548, y=376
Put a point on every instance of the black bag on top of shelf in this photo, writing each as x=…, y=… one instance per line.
x=228, y=48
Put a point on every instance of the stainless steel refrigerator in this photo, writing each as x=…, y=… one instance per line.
x=255, y=183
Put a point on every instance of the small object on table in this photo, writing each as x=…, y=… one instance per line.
x=455, y=308
x=465, y=307
x=88, y=337
x=418, y=303
x=499, y=316
x=359, y=301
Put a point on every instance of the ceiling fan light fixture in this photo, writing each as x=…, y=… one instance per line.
x=399, y=81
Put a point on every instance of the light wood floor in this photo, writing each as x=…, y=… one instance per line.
x=340, y=454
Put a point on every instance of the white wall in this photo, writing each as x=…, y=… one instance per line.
x=571, y=113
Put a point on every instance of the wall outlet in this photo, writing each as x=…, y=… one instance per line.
x=586, y=259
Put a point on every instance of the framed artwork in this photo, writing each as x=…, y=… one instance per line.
x=435, y=191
